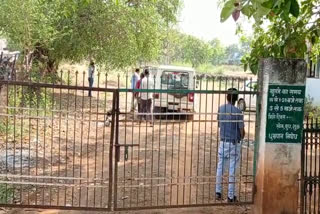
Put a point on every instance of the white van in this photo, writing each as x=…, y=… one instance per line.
x=174, y=78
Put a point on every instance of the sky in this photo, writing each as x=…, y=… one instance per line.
x=201, y=18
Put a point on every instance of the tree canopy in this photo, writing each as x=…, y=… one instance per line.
x=113, y=33
x=292, y=26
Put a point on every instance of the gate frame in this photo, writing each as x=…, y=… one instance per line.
x=118, y=146
x=115, y=104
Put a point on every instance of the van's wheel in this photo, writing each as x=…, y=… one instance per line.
x=157, y=110
x=242, y=105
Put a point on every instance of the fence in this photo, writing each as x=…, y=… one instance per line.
x=63, y=149
x=310, y=163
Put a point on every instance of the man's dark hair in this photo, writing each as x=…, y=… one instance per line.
x=146, y=72
x=232, y=96
x=137, y=70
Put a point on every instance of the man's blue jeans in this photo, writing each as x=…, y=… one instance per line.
x=90, y=79
x=228, y=152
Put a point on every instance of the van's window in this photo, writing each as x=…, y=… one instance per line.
x=175, y=80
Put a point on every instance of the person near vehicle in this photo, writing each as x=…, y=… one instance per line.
x=146, y=97
x=134, y=79
x=91, y=71
x=137, y=94
x=231, y=125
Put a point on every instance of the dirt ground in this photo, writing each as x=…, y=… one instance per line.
x=66, y=156
x=207, y=210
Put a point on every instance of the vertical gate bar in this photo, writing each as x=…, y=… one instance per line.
x=211, y=137
x=7, y=130
x=67, y=136
x=205, y=142
x=117, y=99
x=306, y=164
x=217, y=142
x=145, y=152
x=315, y=168
x=44, y=143
x=310, y=169
x=185, y=145
x=59, y=155
x=14, y=134
x=166, y=144
x=172, y=149
x=318, y=174
x=139, y=142
x=198, y=142
x=152, y=140
x=125, y=138
x=132, y=142
x=106, y=118
x=51, y=146
x=96, y=143
x=195, y=82
x=111, y=147
x=302, y=179
x=159, y=144
x=88, y=143
x=248, y=144
x=21, y=145
x=74, y=136
x=179, y=144
x=37, y=140
x=81, y=139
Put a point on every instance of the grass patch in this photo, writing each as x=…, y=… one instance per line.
x=6, y=194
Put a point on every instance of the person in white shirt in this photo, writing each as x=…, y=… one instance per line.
x=146, y=97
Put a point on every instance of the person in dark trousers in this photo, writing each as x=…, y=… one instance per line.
x=231, y=125
x=146, y=97
x=137, y=94
x=134, y=79
x=91, y=71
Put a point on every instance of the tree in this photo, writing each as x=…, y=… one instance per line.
x=113, y=33
x=292, y=26
x=196, y=51
x=218, y=52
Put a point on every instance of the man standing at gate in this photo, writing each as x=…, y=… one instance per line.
x=146, y=97
x=134, y=79
x=91, y=71
x=231, y=124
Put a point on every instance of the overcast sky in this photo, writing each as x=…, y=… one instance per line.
x=201, y=18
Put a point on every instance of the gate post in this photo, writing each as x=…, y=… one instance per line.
x=282, y=94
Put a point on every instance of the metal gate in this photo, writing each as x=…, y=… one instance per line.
x=62, y=149
x=172, y=161
x=310, y=168
x=55, y=150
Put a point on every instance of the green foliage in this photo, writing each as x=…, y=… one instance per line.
x=291, y=25
x=196, y=51
x=6, y=194
x=311, y=111
x=31, y=97
x=114, y=33
x=218, y=52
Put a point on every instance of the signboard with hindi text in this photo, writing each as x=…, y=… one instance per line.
x=285, y=114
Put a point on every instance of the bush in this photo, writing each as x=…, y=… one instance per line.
x=311, y=111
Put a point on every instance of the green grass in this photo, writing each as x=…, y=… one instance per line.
x=213, y=69
x=6, y=194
